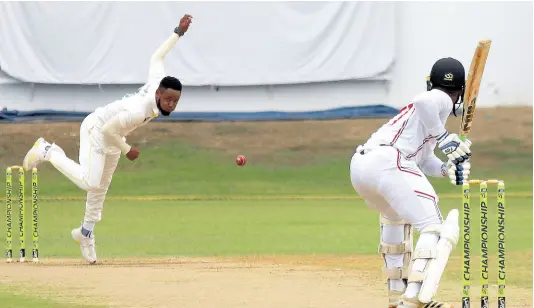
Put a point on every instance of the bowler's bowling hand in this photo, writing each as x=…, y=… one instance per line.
x=133, y=154
x=183, y=26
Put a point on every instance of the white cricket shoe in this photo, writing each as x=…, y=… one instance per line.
x=36, y=155
x=87, y=245
x=414, y=303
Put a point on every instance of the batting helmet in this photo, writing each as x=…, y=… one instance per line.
x=448, y=73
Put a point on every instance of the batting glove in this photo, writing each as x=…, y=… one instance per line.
x=457, y=151
x=458, y=174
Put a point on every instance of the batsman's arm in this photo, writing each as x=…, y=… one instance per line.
x=433, y=166
x=429, y=112
x=112, y=129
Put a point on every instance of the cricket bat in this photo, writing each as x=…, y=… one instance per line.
x=472, y=86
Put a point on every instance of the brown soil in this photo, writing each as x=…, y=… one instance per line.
x=258, y=282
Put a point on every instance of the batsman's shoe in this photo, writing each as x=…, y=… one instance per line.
x=87, y=245
x=414, y=303
x=36, y=154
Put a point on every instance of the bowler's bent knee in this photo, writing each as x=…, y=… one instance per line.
x=92, y=186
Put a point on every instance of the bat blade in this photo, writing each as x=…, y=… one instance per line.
x=472, y=86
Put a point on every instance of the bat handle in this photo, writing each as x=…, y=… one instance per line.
x=463, y=137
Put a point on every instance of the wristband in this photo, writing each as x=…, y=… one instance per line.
x=178, y=31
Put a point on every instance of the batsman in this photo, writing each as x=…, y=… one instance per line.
x=390, y=172
x=103, y=139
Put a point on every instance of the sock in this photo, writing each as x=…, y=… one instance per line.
x=87, y=228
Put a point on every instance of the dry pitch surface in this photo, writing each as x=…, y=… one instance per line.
x=259, y=282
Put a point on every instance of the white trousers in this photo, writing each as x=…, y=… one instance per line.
x=399, y=190
x=95, y=169
x=395, y=187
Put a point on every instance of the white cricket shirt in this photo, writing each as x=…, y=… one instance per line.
x=137, y=108
x=118, y=119
x=416, y=129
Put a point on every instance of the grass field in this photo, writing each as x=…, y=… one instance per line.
x=179, y=169
x=255, y=236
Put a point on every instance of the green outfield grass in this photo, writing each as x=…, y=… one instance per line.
x=180, y=169
x=250, y=227
x=218, y=227
x=227, y=228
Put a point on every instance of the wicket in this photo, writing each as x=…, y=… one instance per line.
x=21, y=213
x=466, y=241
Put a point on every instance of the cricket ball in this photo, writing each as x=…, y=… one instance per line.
x=241, y=160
